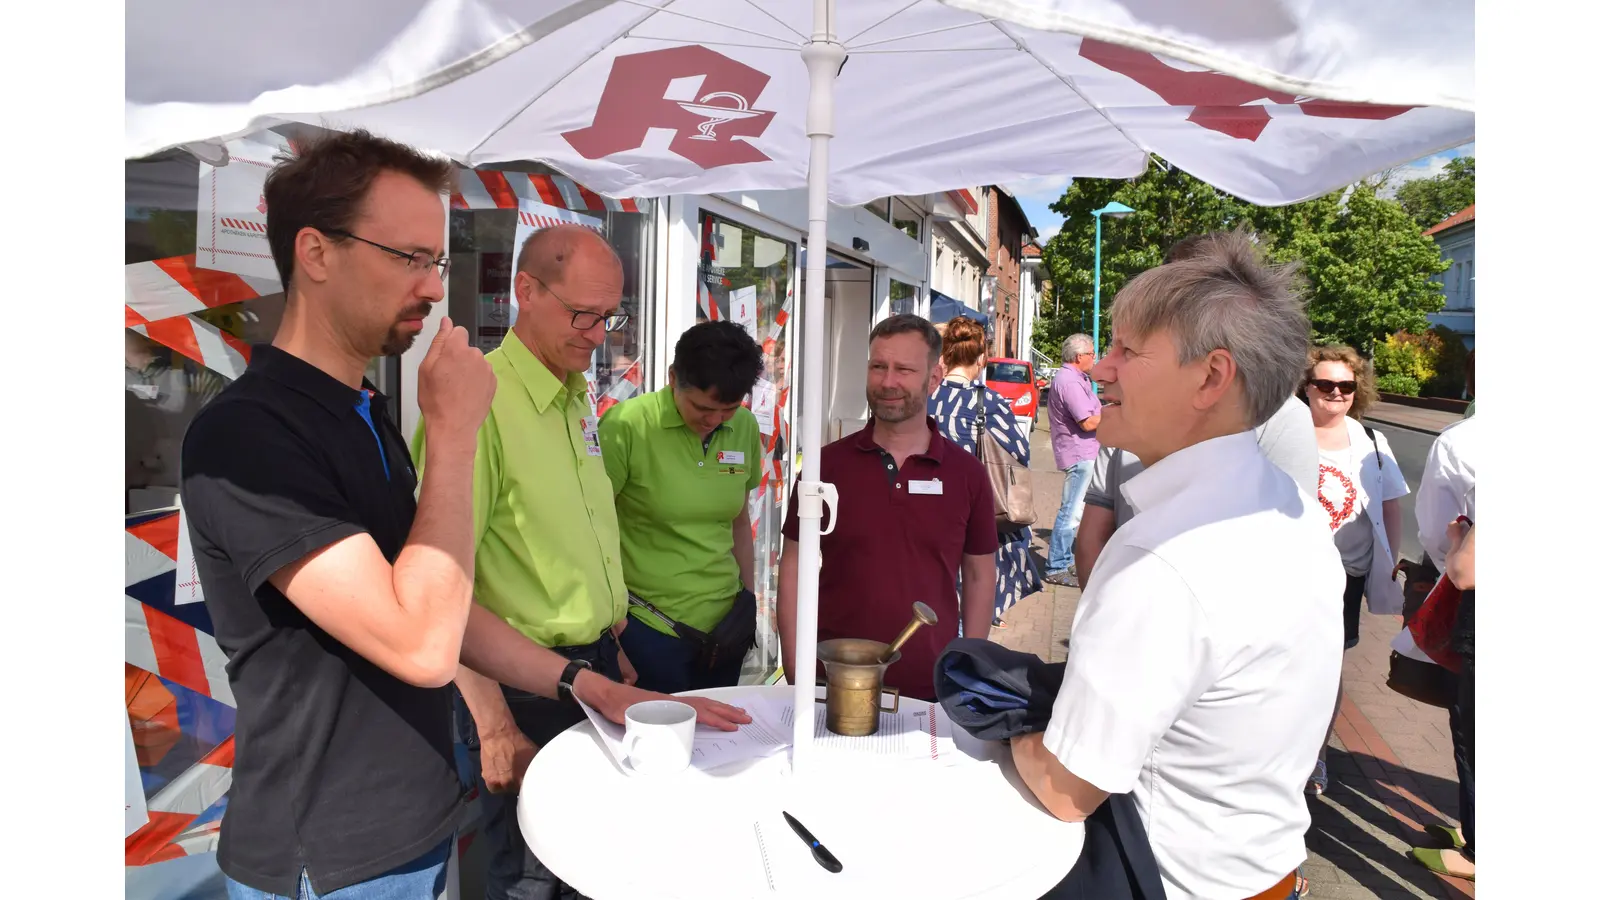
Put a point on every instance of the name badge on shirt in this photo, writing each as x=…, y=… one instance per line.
x=927, y=487
x=591, y=435
x=732, y=457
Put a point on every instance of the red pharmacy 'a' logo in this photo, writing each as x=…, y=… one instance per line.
x=707, y=128
x=1221, y=103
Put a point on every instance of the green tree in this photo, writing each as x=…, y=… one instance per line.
x=1429, y=201
x=1367, y=265
x=1168, y=205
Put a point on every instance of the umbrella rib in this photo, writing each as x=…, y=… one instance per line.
x=663, y=9
x=782, y=48
x=940, y=50
x=768, y=14
x=881, y=21
x=1071, y=85
x=907, y=37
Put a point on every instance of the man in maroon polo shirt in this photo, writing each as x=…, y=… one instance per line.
x=914, y=511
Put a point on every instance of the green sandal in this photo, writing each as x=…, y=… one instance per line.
x=1450, y=835
x=1434, y=859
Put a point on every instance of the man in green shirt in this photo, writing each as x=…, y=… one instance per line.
x=548, y=562
x=683, y=461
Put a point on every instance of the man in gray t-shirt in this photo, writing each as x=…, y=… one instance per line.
x=1288, y=439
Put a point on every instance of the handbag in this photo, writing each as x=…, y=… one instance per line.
x=730, y=638
x=1424, y=682
x=1434, y=622
x=1009, y=480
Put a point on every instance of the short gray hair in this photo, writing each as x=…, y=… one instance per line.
x=1226, y=296
x=1076, y=345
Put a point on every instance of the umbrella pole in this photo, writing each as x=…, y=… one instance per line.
x=823, y=55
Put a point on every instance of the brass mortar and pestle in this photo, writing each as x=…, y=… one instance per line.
x=854, y=668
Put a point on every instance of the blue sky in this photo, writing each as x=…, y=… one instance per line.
x=1037, y=194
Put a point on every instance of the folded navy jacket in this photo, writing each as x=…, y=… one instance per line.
x=997, y=694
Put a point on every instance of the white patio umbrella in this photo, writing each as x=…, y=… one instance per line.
x=636, y=98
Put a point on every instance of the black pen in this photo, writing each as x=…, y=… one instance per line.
x=818, y=852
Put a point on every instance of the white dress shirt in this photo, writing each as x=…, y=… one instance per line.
x=1204, y=666
x=1448, y=487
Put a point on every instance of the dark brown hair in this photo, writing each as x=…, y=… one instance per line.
x=1366, y=381
x=906, y=323
x=324, y=181
x=963, y=342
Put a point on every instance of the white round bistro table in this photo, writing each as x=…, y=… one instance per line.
x=900, y=829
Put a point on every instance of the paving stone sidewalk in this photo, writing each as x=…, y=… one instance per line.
x=1391, y=764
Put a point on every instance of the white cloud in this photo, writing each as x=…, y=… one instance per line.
x=1048, y=232
x=1046, y=186
x=1427, y=167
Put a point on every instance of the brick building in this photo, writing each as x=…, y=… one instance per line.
x=1008, y=232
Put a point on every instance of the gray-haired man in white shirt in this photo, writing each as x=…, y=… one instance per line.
x=1206, y=651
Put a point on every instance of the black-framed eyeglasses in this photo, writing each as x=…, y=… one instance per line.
x=415, y=262
x=1328, y=386
x=582, y=319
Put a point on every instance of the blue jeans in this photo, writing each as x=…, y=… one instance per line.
x=421, y=879
x=1065, y=531
x=666, y=662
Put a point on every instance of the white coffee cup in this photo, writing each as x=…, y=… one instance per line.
x=660, y=736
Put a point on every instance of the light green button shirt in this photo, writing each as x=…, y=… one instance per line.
x=548, y=557
x=677, y=499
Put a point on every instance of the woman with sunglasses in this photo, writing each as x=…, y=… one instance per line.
x=1359, y=488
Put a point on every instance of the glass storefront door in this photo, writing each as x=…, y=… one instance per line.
x=748, y=277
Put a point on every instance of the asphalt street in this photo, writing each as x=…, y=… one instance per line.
x=1411, y=451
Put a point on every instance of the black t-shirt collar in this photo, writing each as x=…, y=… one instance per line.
x=293, y=372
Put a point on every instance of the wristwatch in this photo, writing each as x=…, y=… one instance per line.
x=569, y=675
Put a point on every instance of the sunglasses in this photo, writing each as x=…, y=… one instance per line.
x=1328, y=387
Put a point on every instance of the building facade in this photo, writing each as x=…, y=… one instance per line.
x=1455, y=239
x=960, y=246
x=1008, y=232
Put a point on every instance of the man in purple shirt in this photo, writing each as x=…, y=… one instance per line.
x=1074, y=416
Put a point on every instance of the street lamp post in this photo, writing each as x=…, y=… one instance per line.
x=1116, y=211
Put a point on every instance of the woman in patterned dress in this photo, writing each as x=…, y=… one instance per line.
x=955, y=406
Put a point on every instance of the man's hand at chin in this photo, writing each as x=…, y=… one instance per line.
x=612, y=700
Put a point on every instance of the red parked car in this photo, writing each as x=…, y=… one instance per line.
x=1013, y=379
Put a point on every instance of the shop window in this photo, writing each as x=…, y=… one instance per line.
x=748, y=277
x=485, y=240
x=908, y=220
x=902, y=297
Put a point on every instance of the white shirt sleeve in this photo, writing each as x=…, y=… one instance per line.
x=1394, y=480
x=1439, y=499
x=1140, y=656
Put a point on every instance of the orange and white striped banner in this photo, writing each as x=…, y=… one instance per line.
x=484, y=189
x=156, y=640
x=177, y=285
x=171, y=832
x=537, y=220
x=202, y=342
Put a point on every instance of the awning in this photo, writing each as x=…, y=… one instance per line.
x=944, y=308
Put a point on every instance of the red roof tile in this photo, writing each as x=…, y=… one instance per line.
x=1460, y=218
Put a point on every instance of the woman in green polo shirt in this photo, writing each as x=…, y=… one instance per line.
x=682, y=462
